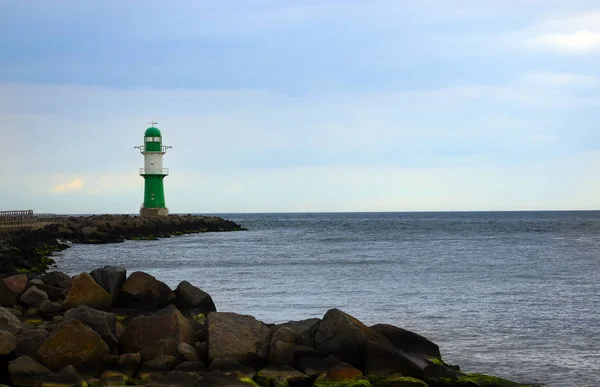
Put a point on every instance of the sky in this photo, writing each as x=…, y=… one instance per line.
x=301, y=106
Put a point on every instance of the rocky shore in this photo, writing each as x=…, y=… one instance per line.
x=30, y=251
x=105, y=328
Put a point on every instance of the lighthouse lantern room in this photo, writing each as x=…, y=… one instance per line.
x=153, y=173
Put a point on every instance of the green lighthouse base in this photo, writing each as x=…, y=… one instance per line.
x=153, y=212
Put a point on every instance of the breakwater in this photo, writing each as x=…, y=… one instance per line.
x=107, y=328
x=26, y=251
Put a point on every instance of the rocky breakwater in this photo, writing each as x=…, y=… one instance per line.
x=105, y=329
x=30, y=251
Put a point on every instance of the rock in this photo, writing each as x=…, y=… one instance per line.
x=217, y=379
x=103, y=323
x=73, y=344
x=313, y=366
x=191, y=366
x=29, y=341
x=16, y=312
x=190, y=297
x=281, y=353
x=383, y=359
x=400, y=381
x=8, y=342
x=54, y=293
x=7, y=296
x=111, y=278
x=9, y=322
x=33, y=296
x=177, y=379
x=68, y=376
x=232, y=368
x=305, y=329
x=16, y=283
x=146, y=332
x=342, y=371
x=36, y=282
x=50, y=307
x=129, y=363
x=188, y=352
x=161, y=363
x=301, y=352
x=281, y=376
x=114, y=378
x=408, y=341
x=85, y=291
x=25, y=371
x=343, y=335
x=54, y=278
x=143, y=291
x=237, y=337
x=32, y=312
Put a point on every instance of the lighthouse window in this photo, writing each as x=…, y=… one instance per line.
x=152, y=139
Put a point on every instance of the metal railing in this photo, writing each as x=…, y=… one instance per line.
x=16, y=220
x=142, y=148
x=154, y=171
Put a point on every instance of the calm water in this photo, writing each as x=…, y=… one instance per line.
x=512, y=294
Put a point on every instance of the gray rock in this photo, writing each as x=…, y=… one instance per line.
x=103, y=323
x=218, y=379
x=202, y=348
x=8, y=342
x=67, y=376
x=188, y=352
x=237, y=337
x=54, y=278
x=313, y=366
x=10, y=322
x=30, y=340
x=54, y=293
x=189, y=296
x=111, y=278
x=305, y=329
x=32, y=312
x=282, y=353
x=50, y=307
x=7, y=298
x=177, y=379
x=33, y=296
x=36, y=281
x=25, y=371
x=408, y=341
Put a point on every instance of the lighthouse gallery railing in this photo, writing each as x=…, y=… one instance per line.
x=154, y=171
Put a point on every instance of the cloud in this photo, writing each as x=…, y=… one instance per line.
x=576, y=34
x=74, y=185
x=548, y=78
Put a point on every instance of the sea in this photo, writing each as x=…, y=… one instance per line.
x=512, y=294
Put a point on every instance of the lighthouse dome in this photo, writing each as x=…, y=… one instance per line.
x=152, y=132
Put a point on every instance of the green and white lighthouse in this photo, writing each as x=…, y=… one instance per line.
x=153, y=173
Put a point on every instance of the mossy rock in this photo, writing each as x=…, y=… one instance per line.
x=398, y=381
x=343, y=383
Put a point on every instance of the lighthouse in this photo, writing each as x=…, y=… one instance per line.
x=153, y=173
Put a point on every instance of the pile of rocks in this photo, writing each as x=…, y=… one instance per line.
x=104, y=328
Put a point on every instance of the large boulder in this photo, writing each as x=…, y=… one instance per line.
x=74, y=344
x=143, y=291
x=9, y=322
x=33, y=296
x=162, y=331
x=343, y=335
x=25, y=371
x=85, y=291
x=16, y=283
x=7, y=297
x=103, y=323
x=237, y=337
x=111, y=278
x=408, y=341
x=8, y=342
x=190, y=297
x=282, y=346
